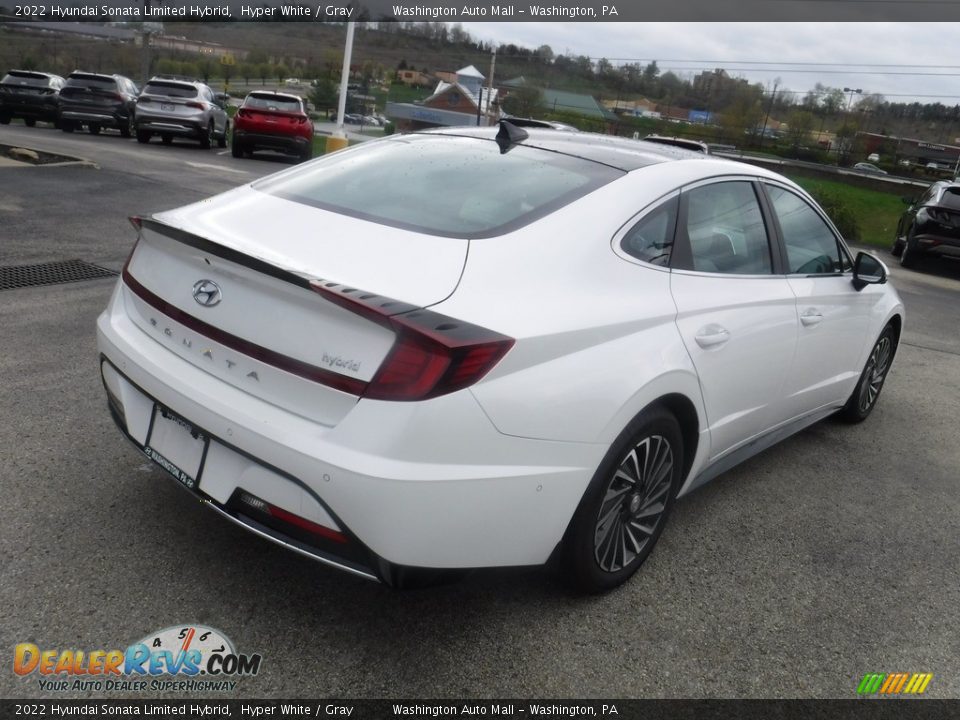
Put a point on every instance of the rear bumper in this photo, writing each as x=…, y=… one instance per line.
x=36, y=111
x=415, y=486
x=937, y=243
x=182, y=126
x=101, y=117
x=294, y=144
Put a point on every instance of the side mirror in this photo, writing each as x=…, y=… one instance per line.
x=867, y=270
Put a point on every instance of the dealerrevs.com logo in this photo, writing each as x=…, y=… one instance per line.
x=187, y=658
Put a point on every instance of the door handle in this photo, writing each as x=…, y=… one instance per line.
x=711, y=336
x=811, y=317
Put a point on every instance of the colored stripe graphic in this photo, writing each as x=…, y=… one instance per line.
x=894, y=683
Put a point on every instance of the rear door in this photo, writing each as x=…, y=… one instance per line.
x=736, y=311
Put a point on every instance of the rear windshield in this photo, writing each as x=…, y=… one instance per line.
x=272, y=102
x=951, y=198
x=92, y=81
x=170, y=90
x=22, y=78
x=442, y=185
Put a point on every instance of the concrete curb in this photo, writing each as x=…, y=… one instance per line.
x=73, y=161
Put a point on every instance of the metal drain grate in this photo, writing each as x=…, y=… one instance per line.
x=51, y=273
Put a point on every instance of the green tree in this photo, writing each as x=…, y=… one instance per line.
x=525, y=101
x=264, y=70
x=323, y=94
x=800, y=123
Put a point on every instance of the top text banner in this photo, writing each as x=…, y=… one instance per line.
x=447, y=11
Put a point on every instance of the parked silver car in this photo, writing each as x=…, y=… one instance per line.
x=181, y=108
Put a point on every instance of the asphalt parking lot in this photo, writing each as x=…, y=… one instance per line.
x=834, y=554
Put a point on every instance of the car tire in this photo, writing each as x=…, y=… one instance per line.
x=143, y=136
x=625, y=508
x=29, y=122
x=166, y=139
x=236, y=149
x=4, y=119
x=207, y=140
x=67, y=126
x=867, y=391
x=127, y=129
x=222, y=140
x=908, y=256
x=93, y=129
x=897, y=249
x=306, y=155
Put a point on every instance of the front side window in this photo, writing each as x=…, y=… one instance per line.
x=651, y=239
x=725, y=230
x=812, y=248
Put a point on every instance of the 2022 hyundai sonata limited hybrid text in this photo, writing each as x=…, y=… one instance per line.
x=476, y=348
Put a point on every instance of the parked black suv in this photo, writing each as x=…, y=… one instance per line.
x=97, y=101
x=931, y=225
x=29, y=95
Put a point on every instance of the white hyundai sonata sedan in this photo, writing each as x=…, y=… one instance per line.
x=479, y=348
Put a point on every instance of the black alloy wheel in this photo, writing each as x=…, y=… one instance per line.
x=626, y=506
x=865, y=395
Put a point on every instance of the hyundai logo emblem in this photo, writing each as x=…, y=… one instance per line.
x=207, y=293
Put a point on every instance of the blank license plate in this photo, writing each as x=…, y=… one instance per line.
x=167, y=107
x=175, y=446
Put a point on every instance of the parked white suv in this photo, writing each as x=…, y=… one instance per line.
x=181, y=108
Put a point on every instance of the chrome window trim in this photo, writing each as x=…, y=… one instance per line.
x=772, y=239
x=841, y=242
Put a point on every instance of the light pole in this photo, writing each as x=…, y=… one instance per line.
x=344, y=81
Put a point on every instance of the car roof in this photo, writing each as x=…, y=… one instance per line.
x=84, y=74
x=695, y=145
x=272, y=93
x=32, y=73
x=620, y=153
x=174, y=81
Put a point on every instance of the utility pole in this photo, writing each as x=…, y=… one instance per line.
x=852, y=92
x=769, y=108
x=146, y=59
x=493, y=66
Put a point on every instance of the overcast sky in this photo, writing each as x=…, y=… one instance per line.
x=861, y=47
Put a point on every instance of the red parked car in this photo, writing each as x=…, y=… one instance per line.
x=272, y=121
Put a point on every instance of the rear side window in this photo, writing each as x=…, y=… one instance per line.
x=651, y=239
x=442, y=185
x=725, y=230
x=812, y=247
x=272, y=102
x=170, y=90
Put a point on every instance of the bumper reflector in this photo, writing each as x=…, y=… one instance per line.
x=285, y=516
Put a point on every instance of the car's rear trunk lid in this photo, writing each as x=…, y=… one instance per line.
x=226, y=285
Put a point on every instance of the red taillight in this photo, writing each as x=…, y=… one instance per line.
x=136, y=221
x=194, y=104
x=433, y=354
x=242, y=113
x=302, y=119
